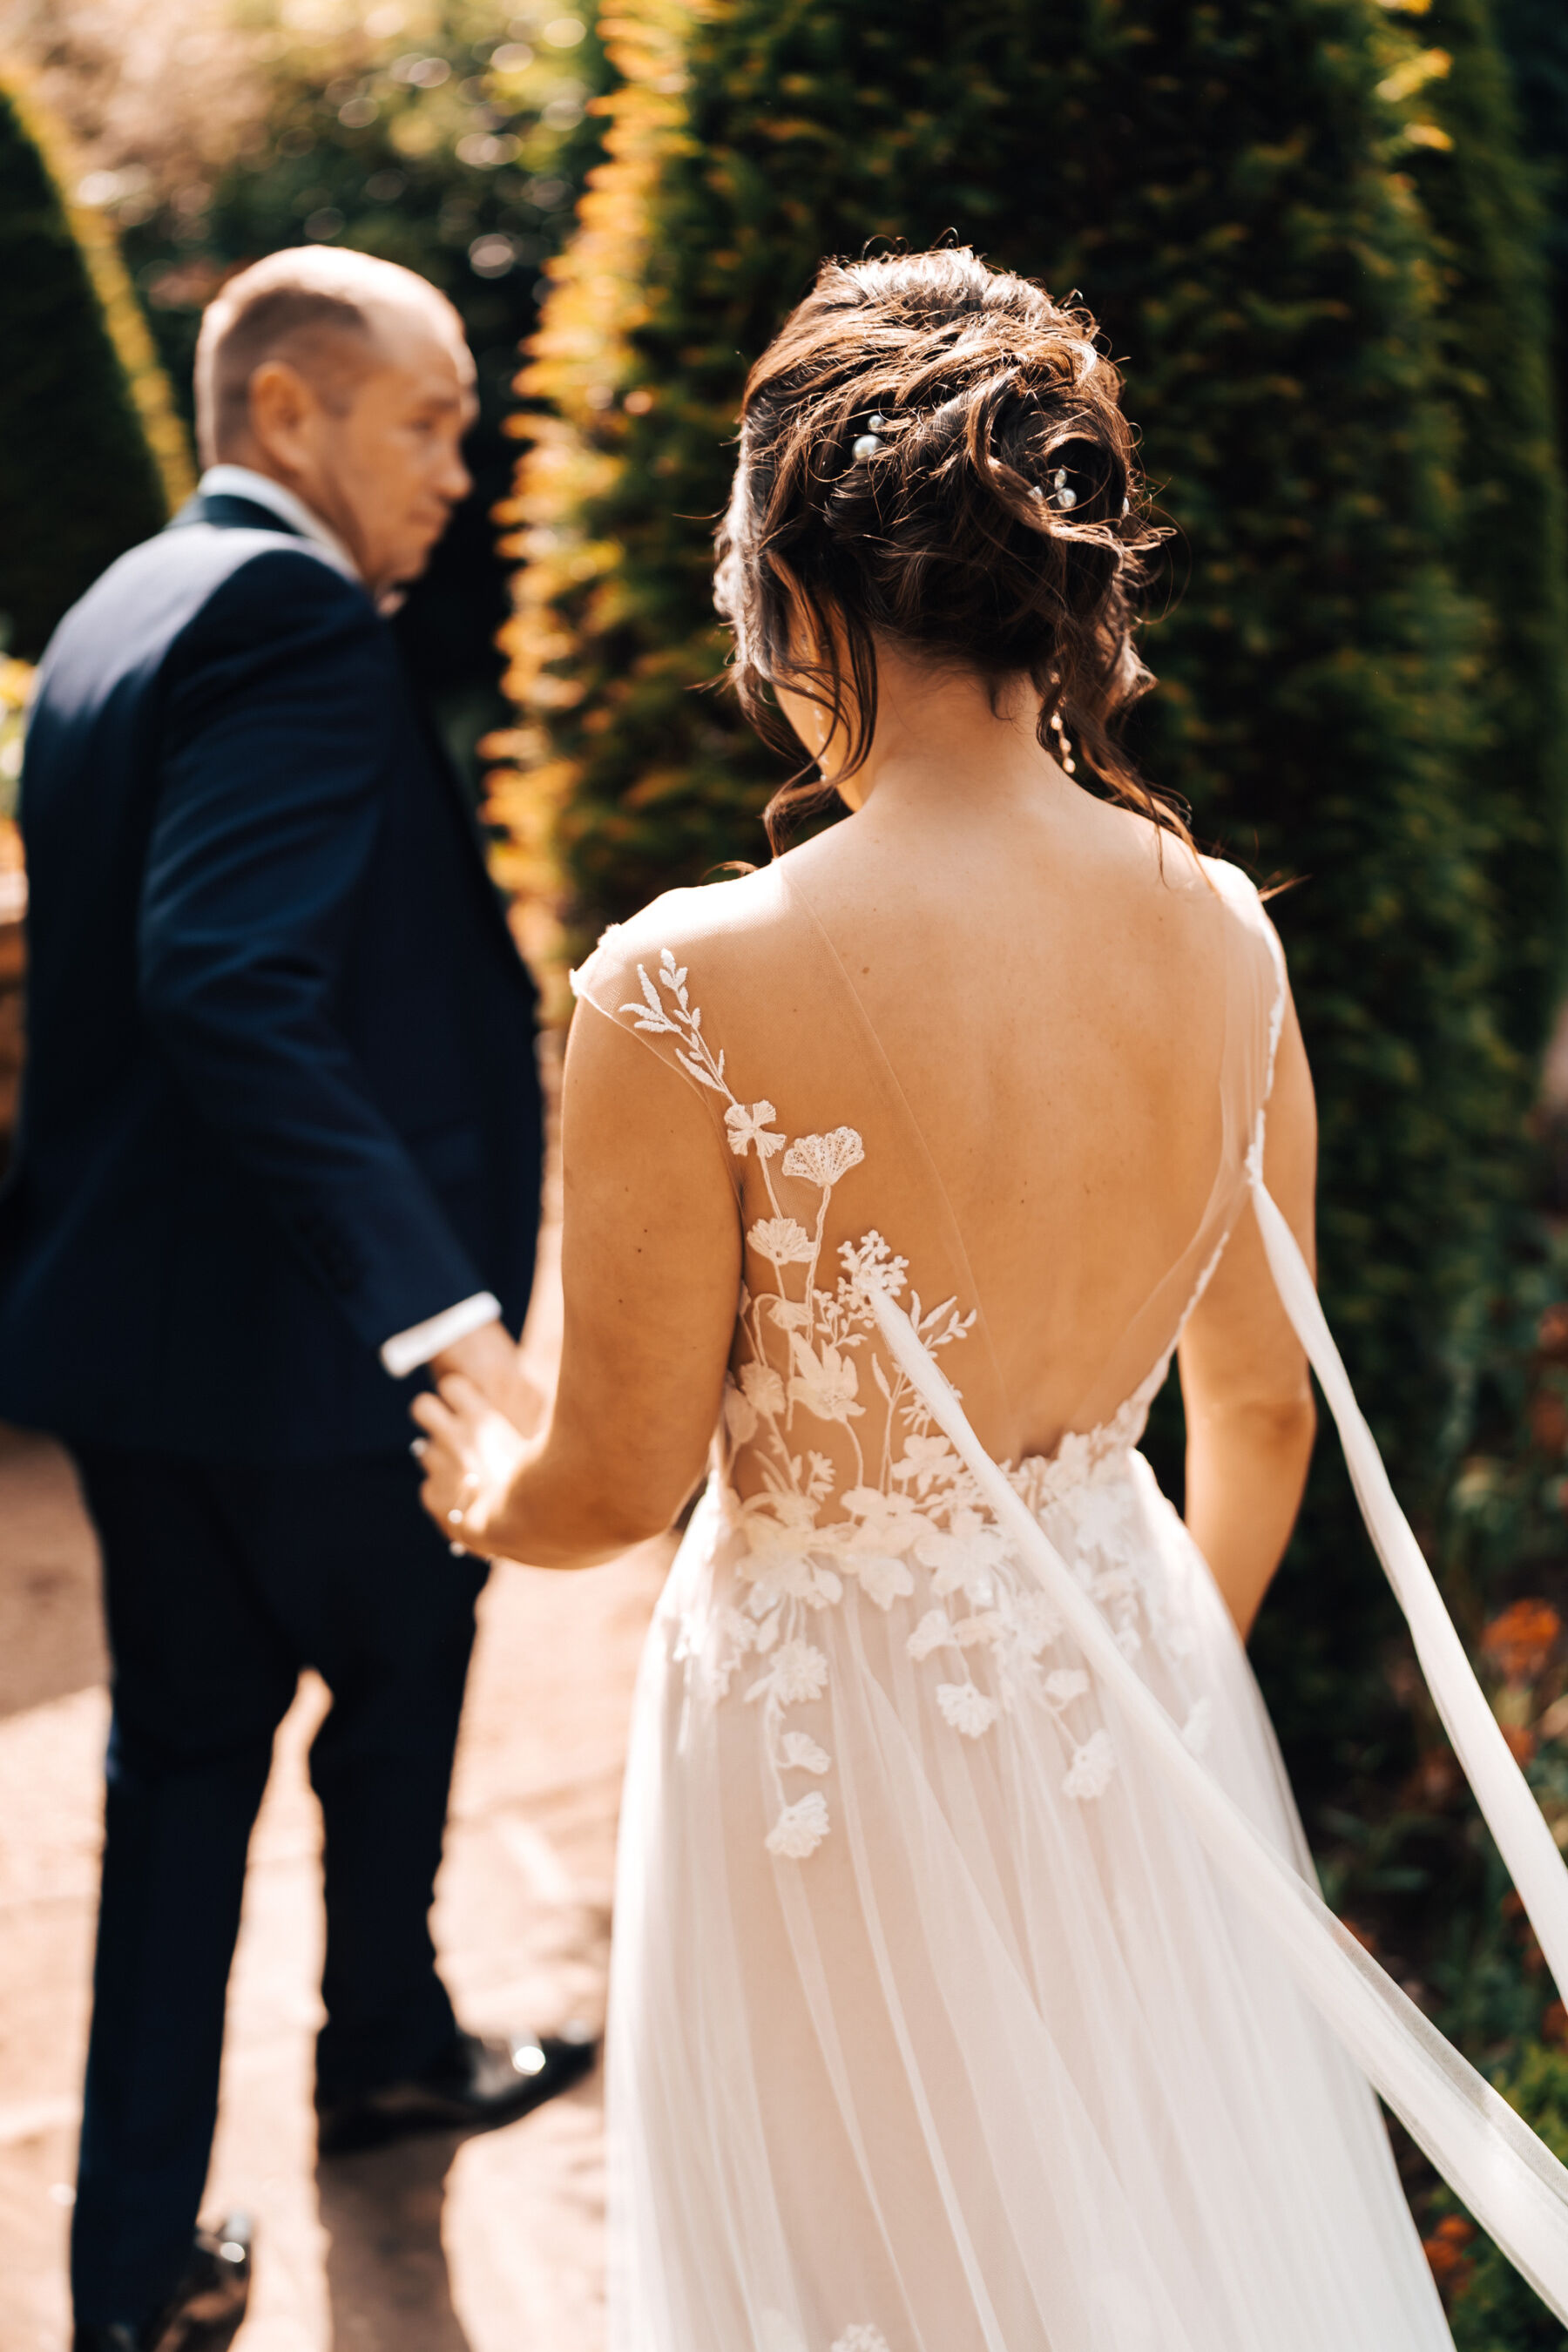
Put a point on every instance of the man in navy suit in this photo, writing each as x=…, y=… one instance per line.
x=280, y=1151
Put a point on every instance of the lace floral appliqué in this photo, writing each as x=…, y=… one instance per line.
x=908, y=1518
x=779, y=2336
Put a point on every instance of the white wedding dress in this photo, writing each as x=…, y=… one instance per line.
x=970, y=1990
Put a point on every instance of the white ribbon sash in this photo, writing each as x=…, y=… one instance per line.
x=1502, y=2172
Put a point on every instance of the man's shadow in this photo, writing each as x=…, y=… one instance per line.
x=387, y=2280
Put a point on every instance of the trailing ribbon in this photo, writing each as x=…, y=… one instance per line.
x=1506, y=2175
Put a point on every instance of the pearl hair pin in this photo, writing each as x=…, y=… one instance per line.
x=1064, y=497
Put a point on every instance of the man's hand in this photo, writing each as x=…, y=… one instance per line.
x=492, y=1362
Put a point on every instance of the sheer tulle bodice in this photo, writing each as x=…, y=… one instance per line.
x=1071, y=1277
x=947, y=2011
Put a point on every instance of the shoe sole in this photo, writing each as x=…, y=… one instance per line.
x=202, y=2335
x=369, y=2127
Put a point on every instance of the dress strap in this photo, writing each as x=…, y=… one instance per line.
x=1506, y=2175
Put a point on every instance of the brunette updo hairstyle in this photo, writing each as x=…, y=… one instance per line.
x=932, y=452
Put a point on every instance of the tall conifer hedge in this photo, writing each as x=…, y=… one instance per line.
x=1535, y=38
x=91, y=456
x=1232, y=188
x=1495, y=326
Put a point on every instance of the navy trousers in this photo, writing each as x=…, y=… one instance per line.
x=222, y=1581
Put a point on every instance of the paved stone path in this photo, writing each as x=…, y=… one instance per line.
x=489, y=2244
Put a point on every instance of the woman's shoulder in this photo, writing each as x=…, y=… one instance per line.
x=1238, y=890
x=714, y=926
x=1174, y=863
x=1245, y=903
x=1159, y=861
x=1223, y=924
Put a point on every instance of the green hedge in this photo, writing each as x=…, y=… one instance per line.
x=91, y=455
x=1535, y=36
x=1493, y=2310
x=1494, y=320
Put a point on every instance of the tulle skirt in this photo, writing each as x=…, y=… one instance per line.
x=978, y=2054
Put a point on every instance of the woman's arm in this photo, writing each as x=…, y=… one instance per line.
x=651, y=1273
x=1250, y=1415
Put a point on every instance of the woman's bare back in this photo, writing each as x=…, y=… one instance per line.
x=1050, y=1028
x=1055, y=987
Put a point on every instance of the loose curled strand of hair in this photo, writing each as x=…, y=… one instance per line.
x=932, y=452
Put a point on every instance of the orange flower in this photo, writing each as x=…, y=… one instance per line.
x=1549, y=1421
x=1445, y=2251
x=1521, y=1743
x=1450, y=2268
x=1436, y=1780
x=1520, y=1641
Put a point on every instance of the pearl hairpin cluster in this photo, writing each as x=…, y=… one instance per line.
x=1061, y=494
x=870, y=444
x=1064, y=497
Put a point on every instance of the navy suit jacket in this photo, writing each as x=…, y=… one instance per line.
x=281, y=1099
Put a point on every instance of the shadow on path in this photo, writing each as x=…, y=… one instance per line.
x=51, y=1610
x=389, y=2286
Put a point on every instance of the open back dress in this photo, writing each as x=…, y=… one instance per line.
x=971, y=1989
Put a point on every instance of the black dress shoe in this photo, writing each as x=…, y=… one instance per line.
x=485, y=2079
x=205, y=2311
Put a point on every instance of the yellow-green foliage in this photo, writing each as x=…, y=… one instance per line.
x=122, y=315
x=1494, y=2311
x=16, y=693
x=91, y=456
x=596, y=430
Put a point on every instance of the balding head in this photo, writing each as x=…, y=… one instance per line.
x=348, y=380
x=328, y=311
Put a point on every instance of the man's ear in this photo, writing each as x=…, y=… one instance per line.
x=281, y=403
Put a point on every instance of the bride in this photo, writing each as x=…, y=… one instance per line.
x=971, y=1989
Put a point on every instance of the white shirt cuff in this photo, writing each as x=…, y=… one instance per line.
x=406, y=1350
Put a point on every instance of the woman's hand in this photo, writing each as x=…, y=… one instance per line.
x=473, y=1458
